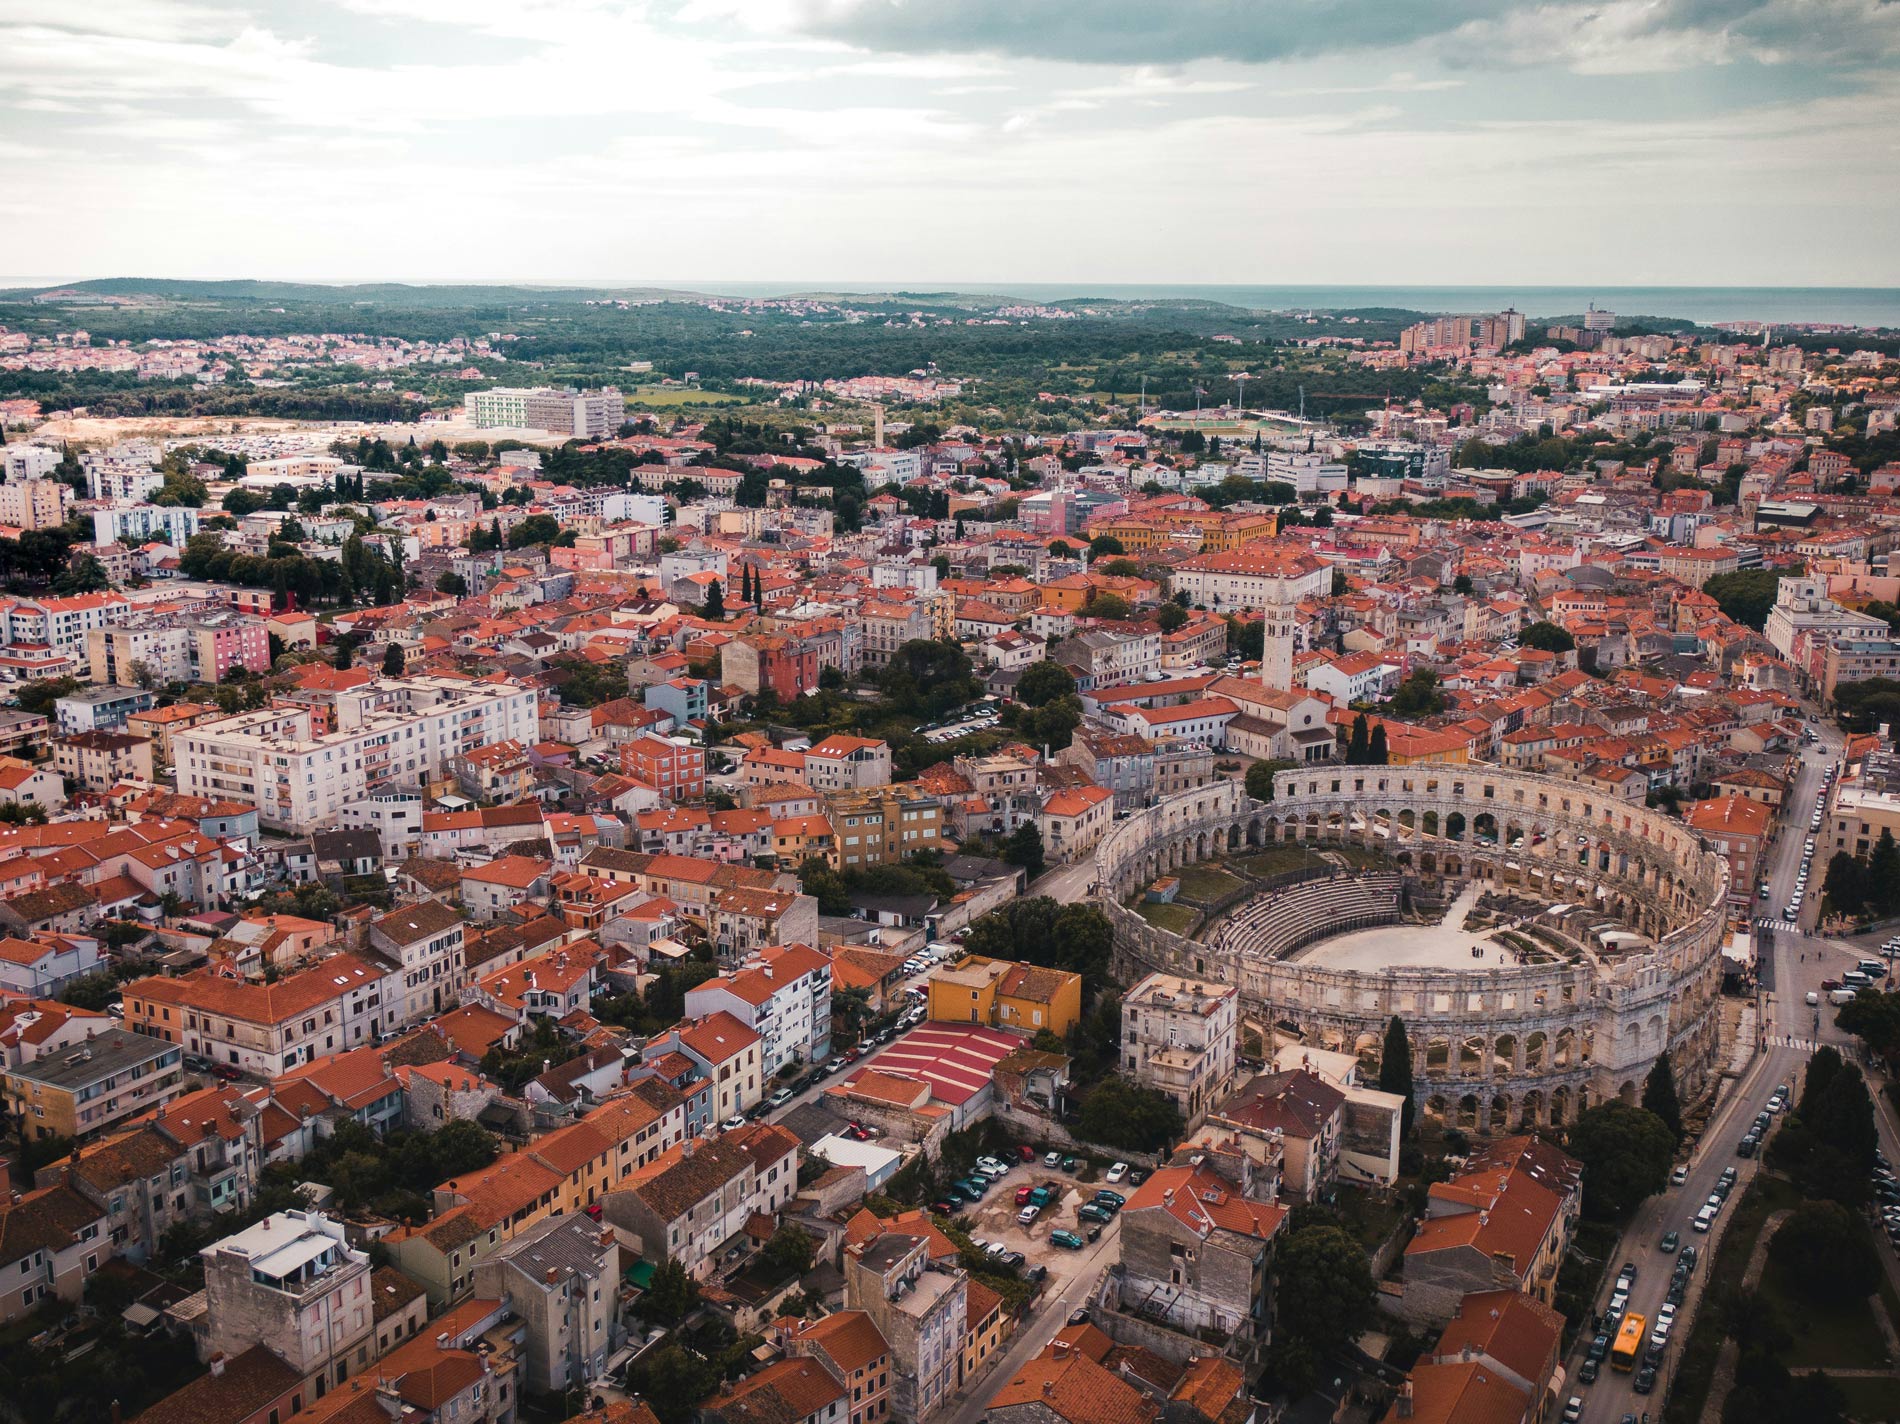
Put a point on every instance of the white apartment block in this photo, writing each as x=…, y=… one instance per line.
x=164, y=649
x=784, y=997
x=61, y=623
x=1178, y=1037
x=391, y=734
x=27, y=462
x=141, y=523
x=887, y=467
x=588, y=415
x=120, y=479
x=34, y=503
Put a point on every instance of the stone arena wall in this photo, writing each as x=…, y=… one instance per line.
x=1495, y=1048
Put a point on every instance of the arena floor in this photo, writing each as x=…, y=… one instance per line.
x=1445, y=945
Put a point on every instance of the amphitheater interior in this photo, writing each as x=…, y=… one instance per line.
x=1542, y=944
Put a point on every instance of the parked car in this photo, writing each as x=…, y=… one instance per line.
x=1115, y=1201
x=1645, y=1379
x=1022, y=1194
x=1118, y=1171
x=1587, y=1372
x=1026, y=1152
x=1027, y=1216
x=1069, y=1241
x=1599, y=1347
x=1136, y=1177
x=780, y=1098
x=1679, y=1176
x=1068, y=1164
x=1015, y=1260
x=1573, y=1411
x=1052, y=1159
x=944, y=1208
x=1670, y=1242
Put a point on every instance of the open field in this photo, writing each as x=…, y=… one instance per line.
x=657, y=397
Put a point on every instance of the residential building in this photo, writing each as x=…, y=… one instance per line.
x=857, y=1354
x=1179, y=1037
x=672, y=766
x=51, y=1242
x=691, y=1203
x=561, y=1277
x=1306, y=1114
x=387, y=734
x=123, y=522
x=267, y=1029
x=98, y=709
x=784, y=996
x=883, y=825
x=293, y=1284
x=1073, y=820
x=99, y=761
x=728, y=1054
x=1001, y=994
x=584, y=415
x=796, y=1390
x=1498, y=1359
x=920, y=1307
x=424, y=943
x=35, y=968
x=847, y=763
x=1505, y=1220
x=1197, y=1254
x=80, y=1091
x=785, y=665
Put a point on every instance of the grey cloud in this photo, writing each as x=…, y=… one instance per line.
x=1264, y=31
x=1142, y=31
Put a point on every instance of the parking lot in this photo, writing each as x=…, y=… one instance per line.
x=994, y=1219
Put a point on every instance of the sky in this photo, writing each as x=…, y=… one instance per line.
x=953, y=142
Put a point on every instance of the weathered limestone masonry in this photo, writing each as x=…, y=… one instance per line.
x=1496, y=1047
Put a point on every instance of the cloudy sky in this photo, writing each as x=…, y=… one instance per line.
x=954, y=141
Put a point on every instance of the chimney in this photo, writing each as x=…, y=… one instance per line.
x=1048, y=1387
x=552, y=1275
x=217, y=1365
x=442, y=1341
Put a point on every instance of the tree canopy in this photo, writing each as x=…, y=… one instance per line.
x=1626, y=1153
x=1118, y=1113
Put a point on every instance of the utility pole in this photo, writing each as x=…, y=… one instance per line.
x=1144, y=397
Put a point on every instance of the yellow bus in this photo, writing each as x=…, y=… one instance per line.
x=1629, y=1342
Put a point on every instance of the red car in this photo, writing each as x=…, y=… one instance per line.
x=1830, y=984
x=1022, y=1194
x=228, y=1072
x=1026, y=1152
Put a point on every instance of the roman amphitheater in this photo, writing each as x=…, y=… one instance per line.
x=1542, y=944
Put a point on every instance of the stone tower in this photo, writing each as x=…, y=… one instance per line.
x=1276, y=648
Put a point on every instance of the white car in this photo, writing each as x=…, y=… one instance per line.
x=990, y=1167
x=1118, y=1171
x=781, y=1097
x=735, y=1121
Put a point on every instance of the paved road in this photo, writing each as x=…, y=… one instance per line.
x=1040, y=1328
x=1790, y=967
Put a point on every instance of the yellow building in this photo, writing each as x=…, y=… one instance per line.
x=882, y=825
x=1003, y=994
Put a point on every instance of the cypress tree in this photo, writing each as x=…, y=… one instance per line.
x=1659, y=1095
x=1395, y=1069
x=1377, y=753
x=1357, y=747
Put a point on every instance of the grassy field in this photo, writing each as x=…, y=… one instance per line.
x=1764, y=1195
x=1871, y=1398
x=1176, y=919
x=1276, y=860
x=658, y=397
x=1206, y=882
x=1837, y=1334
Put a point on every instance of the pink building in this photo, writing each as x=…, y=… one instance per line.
x=221, y=643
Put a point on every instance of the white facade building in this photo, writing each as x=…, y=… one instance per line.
x=1179, y=1038
x=390, y=734
x=141, y=523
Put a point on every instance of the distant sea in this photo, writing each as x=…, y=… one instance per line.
x=1854, y=306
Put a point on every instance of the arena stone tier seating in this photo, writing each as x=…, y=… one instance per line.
x=1275, y=925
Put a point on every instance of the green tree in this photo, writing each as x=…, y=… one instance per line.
x=1461, y=584
x=1118, y=1113
x=1024, y=847
x=452, y=582
x=1846, y=887
x=1626, y=1153
x=1260, y=777
x=1822, y=1252
x=38, y=697
x=1659, y=1094
x=790, y=1249
x=1358, y=743
x=1546, y=637
x=1171, y=616
x=1395, y=1070
x=535, y=529
x=1418, y=695
x=1377, y=752
x=1104, y=546
x=671, y=1297
x=1111, y=606
x=1044, y=682
x=715, y=605
x=1883, y=875
x=1324, y=1269
x=673, y=1380
x=1748, y=594
x=84, y=574
x=392, y=660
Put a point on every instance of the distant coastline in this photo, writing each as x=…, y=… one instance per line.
x=1844, y=306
